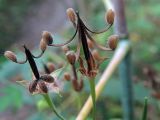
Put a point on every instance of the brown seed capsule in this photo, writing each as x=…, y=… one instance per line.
x=43, y=45
x=51, y=67
x=67, y=76
x=110, y=16
x=47, y=37
x=32, y=86
x=47, y=78
x=71, y=14
x=10, y=55
x=43, y=86
x=71, y=57
x=113, y=41
x=90, y=44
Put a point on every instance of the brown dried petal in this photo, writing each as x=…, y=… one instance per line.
x=32, y=86
x=43, y=86
x=110, y=16
x=47, y=37
x=113, y=41
x=71, y=57
x=47, y=78
x=71, y=14
x=10, y=55
x=43, y=45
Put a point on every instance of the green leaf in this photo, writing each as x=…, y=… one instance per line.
x=144, y=115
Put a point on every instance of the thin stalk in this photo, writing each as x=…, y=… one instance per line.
x=144, y=115
x=52, y=106
x=93, y=94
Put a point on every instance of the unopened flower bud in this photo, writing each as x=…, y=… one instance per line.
x=110, y=16
x=65, y=48
x=71, y=57
x=43, y=45
x=32, y=86
x=10, y=55
x=51, y=67
x=90, y=44
x=96, y=55
x=71, y=14
x=67, y=76
x=113, y=41
x=43, y=86
x=47, y=78
x=47, y=37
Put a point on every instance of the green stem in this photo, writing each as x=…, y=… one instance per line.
x=144, y=115
x=93, y=94
x=52, y=106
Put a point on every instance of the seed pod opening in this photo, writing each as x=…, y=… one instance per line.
x=47, y=37
x=71, y=14
x=10, y=55
x=43, y=45
x=113, y=41
x=71, y=57
x=43, y=86
x=32, y=86
x=47, y=78
x=110, y=16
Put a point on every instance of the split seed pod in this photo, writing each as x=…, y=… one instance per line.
x=47, y=37
x=10, y=55
x=47, y=78
x=71, y=14
x=32, y=86
x=110, y=16
x=71, y=57
x=43, y=86
x=113, y=41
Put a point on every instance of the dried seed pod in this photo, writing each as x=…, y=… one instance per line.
x=47, y=78
x=71, y=57
x=67, y=76
x=71, y=14
x=10, y=55
x=43, y=45
x=32, y=86
x=51, y=67
x=47, y=37
x=113, y=41
x=77, y=86
x=43, y=86
x=110, y=16
x=90, y=44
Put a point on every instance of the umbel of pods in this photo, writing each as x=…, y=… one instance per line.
x=92, y=58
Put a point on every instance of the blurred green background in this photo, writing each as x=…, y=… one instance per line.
x=21, y=22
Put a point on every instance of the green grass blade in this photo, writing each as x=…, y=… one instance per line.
x=144, y=115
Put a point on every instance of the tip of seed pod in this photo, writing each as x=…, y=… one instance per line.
x=71, y=57
x=51, y=67
x=113, y=41
x=10, y=55
x=110, y=16
x=47, y=37
x=71, y=14
x=67, y=76
x=43, y=45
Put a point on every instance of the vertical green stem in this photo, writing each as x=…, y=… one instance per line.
x=52, y=106
x=93, y=94
x=144, y=115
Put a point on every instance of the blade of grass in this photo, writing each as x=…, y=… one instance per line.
x=93, y=94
